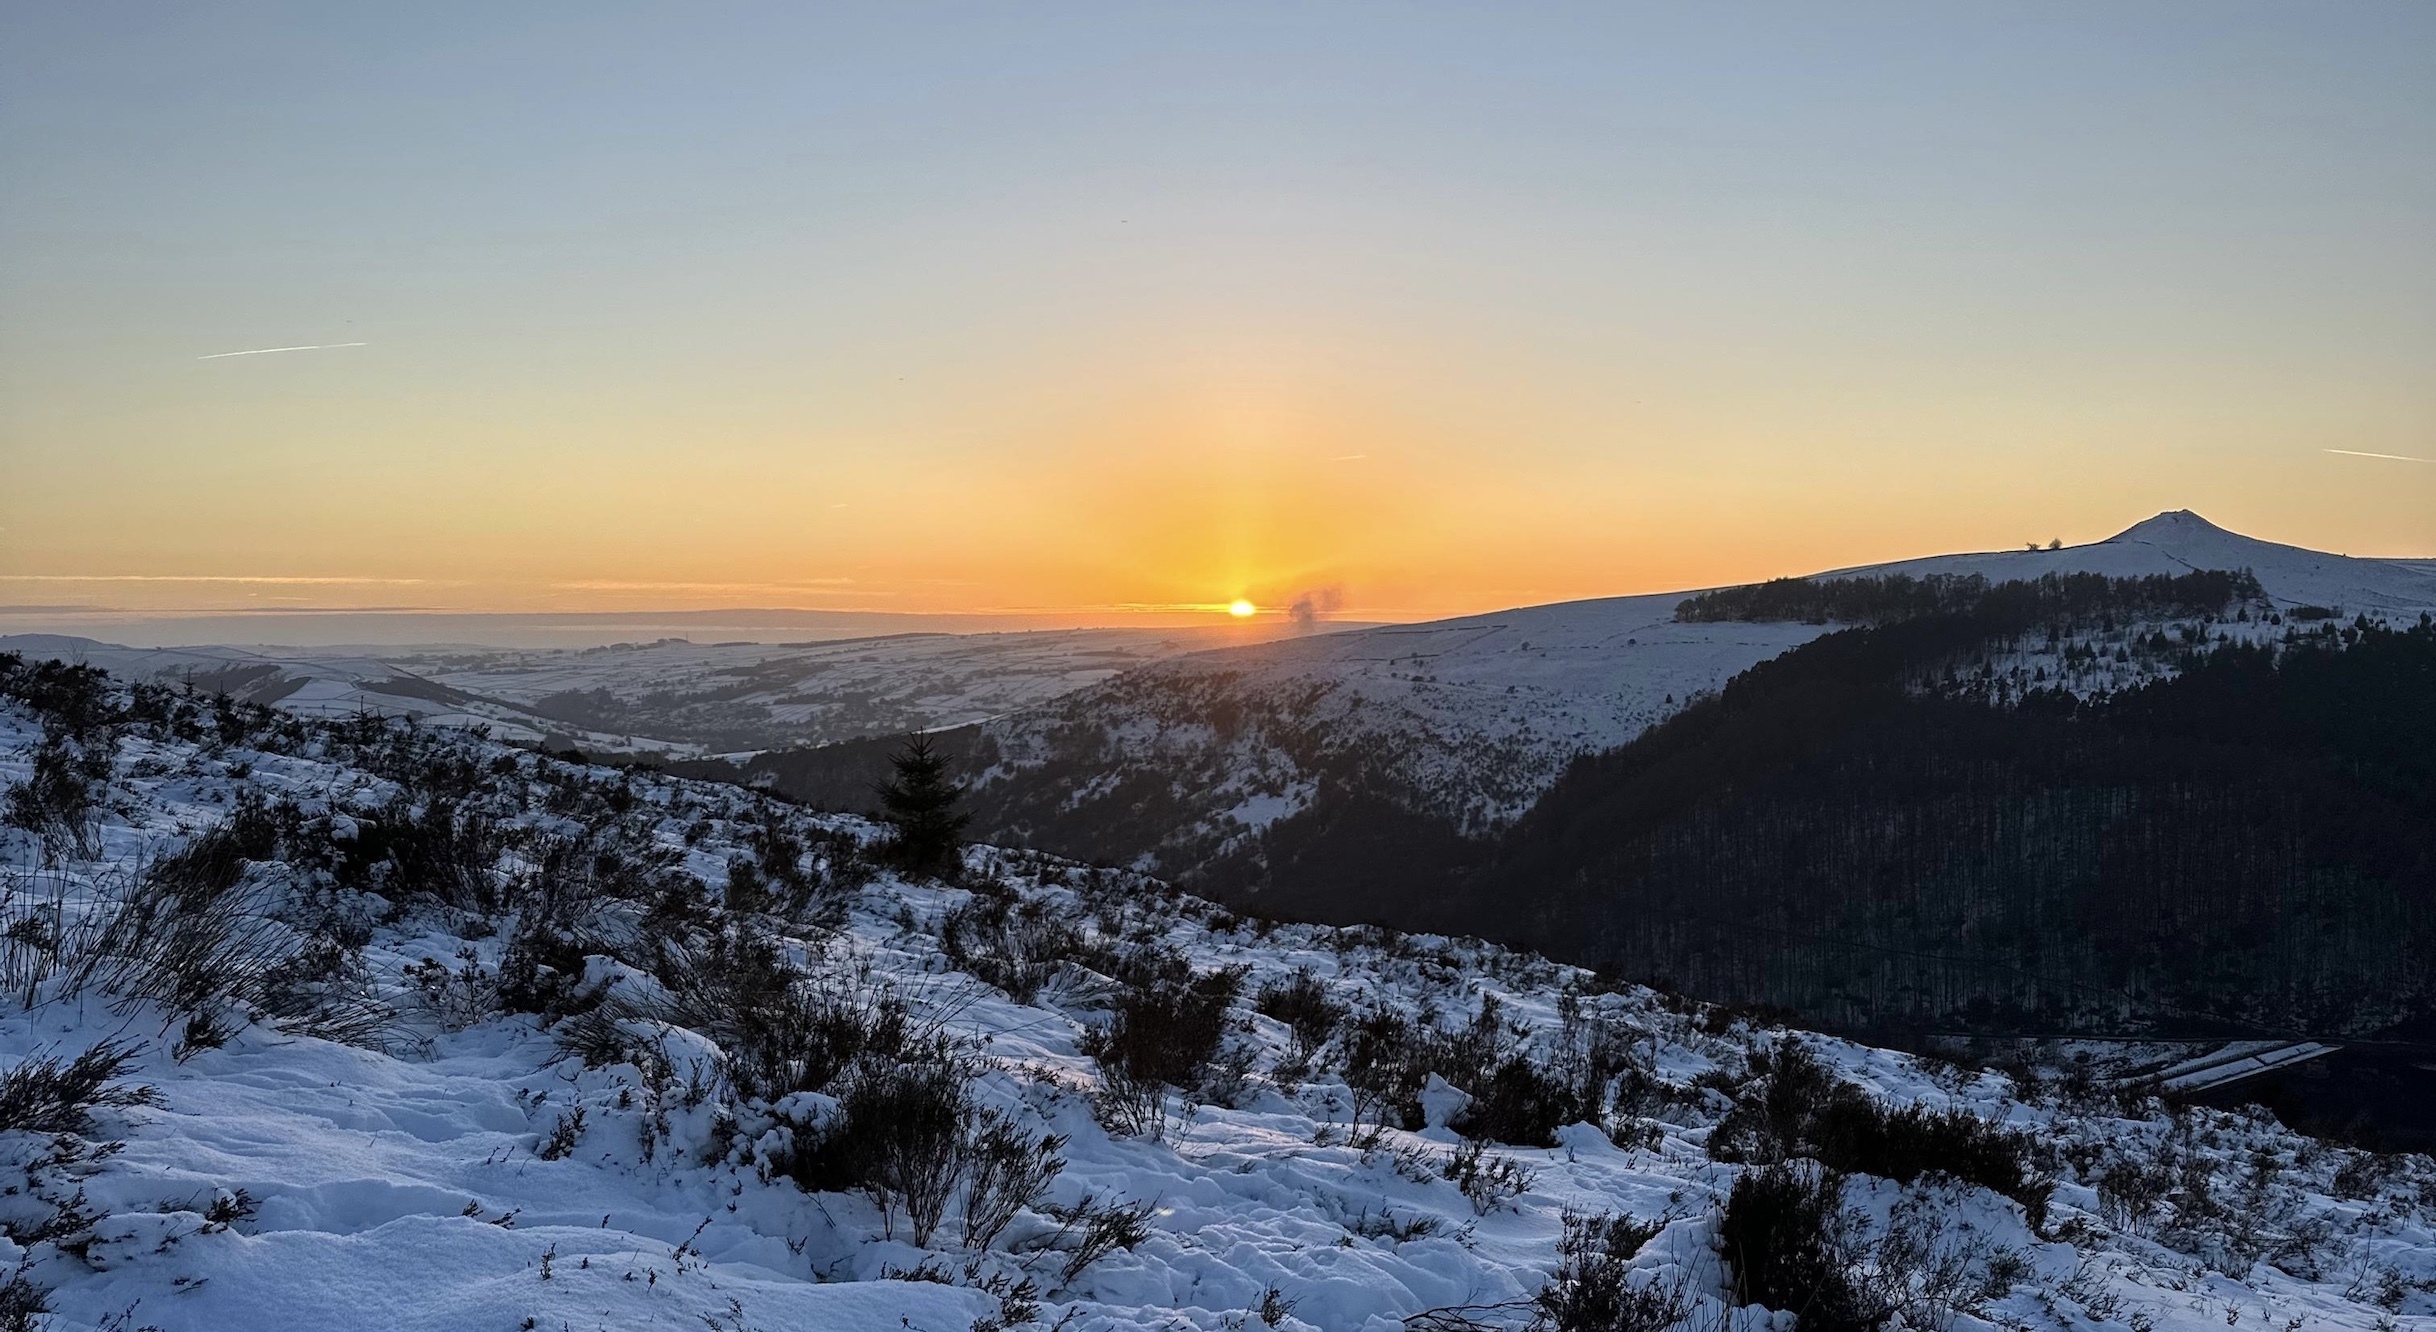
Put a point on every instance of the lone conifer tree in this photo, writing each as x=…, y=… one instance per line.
x=920, y=803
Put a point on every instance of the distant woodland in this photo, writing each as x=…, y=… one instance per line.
x=2250, y=845
x=2009, y=606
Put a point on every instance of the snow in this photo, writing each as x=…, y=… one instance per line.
x=403, y=1183
x=671, y=696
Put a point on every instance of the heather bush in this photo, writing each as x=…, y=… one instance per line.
x=1168, y=1031
x=1801, y=1109
x=1301, y=1002
x=50, y=1095
x=1591, y=1289
x=1523, y=1104
x=1016, y=948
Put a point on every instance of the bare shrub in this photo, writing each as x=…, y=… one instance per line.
x=1385, y=1067
x=202, y=927
x=2129, y=1193
x=22, y=1303
x=793, y=875
x=76, y=700
x=1591, y=1289
x=1388, y=1059
x=563, y=1139
x=1098, y=1228
x=541, y=971
x=1793, y=1245
x=899, y=1135
x=1006, y=1170
x=40, y=937
x=1485, y=1181
x=441, y=849
x=784, y=1030
x=58, y=800
x=460, y=998
x=1784, y=1234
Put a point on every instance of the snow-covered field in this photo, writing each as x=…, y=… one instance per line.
x=670, y=696
x=471, y=1047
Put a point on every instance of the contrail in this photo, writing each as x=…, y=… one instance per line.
x=265, y=351
x=2390, y=457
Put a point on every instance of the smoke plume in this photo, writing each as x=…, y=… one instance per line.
x=1309, y=607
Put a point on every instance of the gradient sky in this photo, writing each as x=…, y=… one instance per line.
x=1078, y=307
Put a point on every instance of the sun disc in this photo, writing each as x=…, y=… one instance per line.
x=1241, y=609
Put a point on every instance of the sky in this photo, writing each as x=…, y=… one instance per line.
x=1109, y=311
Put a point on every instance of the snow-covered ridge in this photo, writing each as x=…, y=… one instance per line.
x=462, y=1165
x=1472, y=719
x=2181, y=541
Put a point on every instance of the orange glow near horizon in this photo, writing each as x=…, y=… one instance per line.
x=1092, y=316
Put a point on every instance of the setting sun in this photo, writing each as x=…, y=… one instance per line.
x=1241, y=609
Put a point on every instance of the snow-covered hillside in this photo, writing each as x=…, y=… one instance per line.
x=399, y=1028
x=2181, y=541
x=1470, y=720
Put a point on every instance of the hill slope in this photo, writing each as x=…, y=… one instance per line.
x=382, y=1023
x=1197, y=767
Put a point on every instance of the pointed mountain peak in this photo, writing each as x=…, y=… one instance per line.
x=2172, y=525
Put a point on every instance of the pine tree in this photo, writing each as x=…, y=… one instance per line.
x=920, y=803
